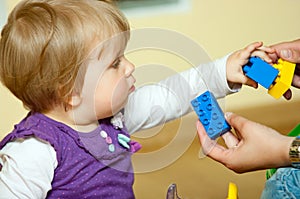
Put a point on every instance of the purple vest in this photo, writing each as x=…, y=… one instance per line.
x=90, y=165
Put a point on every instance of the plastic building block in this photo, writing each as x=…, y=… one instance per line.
x=210, y=115
x=284, y=80
x=260, y=71
x=277, y=78
x=232, y=191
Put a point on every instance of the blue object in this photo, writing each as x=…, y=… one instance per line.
x=210, y=114
x=260, y=71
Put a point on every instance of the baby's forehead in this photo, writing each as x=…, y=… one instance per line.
x=115, y=45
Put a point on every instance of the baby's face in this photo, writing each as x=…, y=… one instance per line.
x=108, y=80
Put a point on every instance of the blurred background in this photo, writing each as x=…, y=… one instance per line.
x=170, y=153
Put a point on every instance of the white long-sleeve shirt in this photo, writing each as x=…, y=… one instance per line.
x=31, y=162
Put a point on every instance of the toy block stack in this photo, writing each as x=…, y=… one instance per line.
x=277, y=78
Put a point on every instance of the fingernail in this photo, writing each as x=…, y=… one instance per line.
x=228, y=114
x=286, y=53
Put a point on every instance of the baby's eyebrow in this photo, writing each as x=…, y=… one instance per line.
x=100, y=53
x=120, y=53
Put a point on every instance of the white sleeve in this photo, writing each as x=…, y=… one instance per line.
x=27, y=168
x=155, y=104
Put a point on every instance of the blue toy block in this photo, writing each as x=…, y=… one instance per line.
x=260, y=71
x=210, y=115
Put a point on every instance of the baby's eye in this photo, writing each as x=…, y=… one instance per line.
x=116, y=63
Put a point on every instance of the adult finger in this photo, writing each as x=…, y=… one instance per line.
x=236, y=121
x=290, y=55
x=210, y=147
x=230, y=140
x=206, y=143
x=296, y=81
x=288, y=94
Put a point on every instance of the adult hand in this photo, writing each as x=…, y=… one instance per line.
x=289, y=51
x=253, y=147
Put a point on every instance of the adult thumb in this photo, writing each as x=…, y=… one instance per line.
x=290, y=55
x=236, y=121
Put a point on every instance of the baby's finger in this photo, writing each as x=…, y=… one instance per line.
x=274, y=57
x=254, y=46
x=251, y=83
x=245, y=80
x=263, y=55
x=250, y=49
x=267, y=49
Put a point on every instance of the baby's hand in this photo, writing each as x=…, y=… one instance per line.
x=236, y=61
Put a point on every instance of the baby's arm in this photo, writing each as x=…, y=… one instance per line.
x=27, y=169
x=155, y=104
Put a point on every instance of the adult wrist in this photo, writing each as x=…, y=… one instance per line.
x=294, y=152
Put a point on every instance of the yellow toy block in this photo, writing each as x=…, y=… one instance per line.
x=284, y=80
x=232, y=191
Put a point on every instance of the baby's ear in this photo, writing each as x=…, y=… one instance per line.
x=75, y=100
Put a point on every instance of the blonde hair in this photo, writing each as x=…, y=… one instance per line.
x=44, y=44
